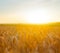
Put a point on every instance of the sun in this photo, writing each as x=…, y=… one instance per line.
x=37, y=17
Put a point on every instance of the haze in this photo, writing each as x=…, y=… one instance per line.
x=29, y=11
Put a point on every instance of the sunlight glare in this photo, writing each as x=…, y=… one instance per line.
x=37, y=17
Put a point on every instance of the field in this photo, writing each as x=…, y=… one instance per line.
x=30, y=38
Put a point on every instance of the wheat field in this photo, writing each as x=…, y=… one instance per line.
x=25, y=38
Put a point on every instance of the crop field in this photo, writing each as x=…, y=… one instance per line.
x=30, y=38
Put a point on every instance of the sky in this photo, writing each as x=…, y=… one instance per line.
x=29, y=11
